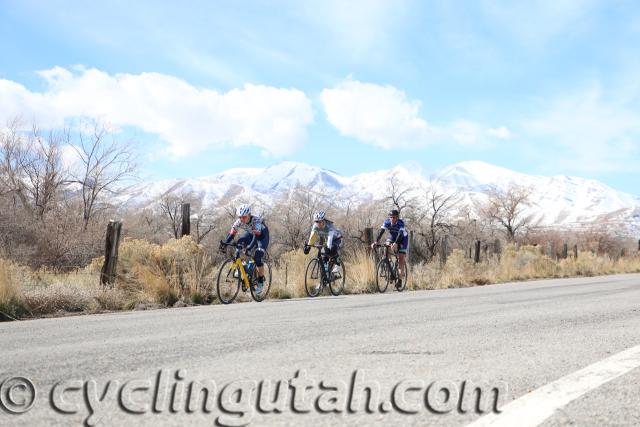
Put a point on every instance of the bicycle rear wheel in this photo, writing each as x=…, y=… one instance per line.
x=313, y=278
x=260, y=296
x=336, y=281
x=229, y=281
x=383, y=275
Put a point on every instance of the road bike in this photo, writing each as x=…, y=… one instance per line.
x=239, y=272
x=387, y=270
x=320, y=274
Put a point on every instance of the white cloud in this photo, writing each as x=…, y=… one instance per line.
x=189, y=118
x=590, y=131
x=384, y=117
x=500, y=133
x=380, y=115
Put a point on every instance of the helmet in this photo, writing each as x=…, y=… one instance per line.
x=318, y=216
x=243, y=210
x=394, y=212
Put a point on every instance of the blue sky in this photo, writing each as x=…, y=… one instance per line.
x=542, y=87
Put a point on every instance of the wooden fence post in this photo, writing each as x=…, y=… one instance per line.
x=497, y=248
x=186, y=219
x=575, y=251
x=112, y=242
x=565, y=250
x=368, y=236
x=476, y=257
x=444, y=249
x=368, y=240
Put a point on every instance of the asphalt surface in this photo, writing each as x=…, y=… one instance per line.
x=524, y=335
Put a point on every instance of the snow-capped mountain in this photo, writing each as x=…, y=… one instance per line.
x=558, y=200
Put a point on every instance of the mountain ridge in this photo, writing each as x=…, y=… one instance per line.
x=558, y=200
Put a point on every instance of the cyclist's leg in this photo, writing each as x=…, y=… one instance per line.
x=261, y=247
x=334, y=256
x=244, y=240
x=332, y=251
x=402, y=252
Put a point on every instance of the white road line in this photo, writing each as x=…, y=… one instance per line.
x=533, y=408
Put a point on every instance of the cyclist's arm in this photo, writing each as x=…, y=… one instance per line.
x=232, y=232
x=380, y=233
x=313, y=236
x=258, y=227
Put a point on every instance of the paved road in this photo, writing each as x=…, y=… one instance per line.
x=523, y=334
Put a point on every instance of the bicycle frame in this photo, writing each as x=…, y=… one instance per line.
x=243, y=273
x=237, y=263
x=323, y=273
x=393, y=265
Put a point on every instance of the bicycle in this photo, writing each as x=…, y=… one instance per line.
x=387, y=271
x=236, y=274
x=319, y=274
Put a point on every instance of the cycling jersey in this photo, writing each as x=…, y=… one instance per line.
x=328, y=234
x=395, y=230
x=397, y=234
x=255, y=226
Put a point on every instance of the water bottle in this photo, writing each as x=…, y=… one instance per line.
x=249, y=268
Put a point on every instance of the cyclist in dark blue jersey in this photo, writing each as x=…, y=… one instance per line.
x=398, y=238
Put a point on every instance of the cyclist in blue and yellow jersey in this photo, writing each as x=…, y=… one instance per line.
x=325, y=230
x=256, y=234
x=398, y=238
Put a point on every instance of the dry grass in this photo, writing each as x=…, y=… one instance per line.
x=361, y=274
x=152, y=275
x=514, y=265
x=11, y=299
x=179, y=269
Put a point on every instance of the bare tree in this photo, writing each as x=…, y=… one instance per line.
x=435, y=218
x=31, y=167
x=43, y=169
x=171, y=208
x=398, y=194
x=507, y=209
x=204, y=224
x=105, y=163
x=12, y=157
x=295, y=215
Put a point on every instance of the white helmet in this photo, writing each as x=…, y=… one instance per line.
x=318, y=216
x=243, y=210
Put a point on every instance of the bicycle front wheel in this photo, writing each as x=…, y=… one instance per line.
x=383, y=275
x=229, y=281
x=260, y=296
x=313, y=278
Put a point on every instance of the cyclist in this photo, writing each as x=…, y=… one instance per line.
x=398, y=238
x=332, y=237
x=256, y=234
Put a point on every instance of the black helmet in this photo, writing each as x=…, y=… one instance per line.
x=394, y=212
